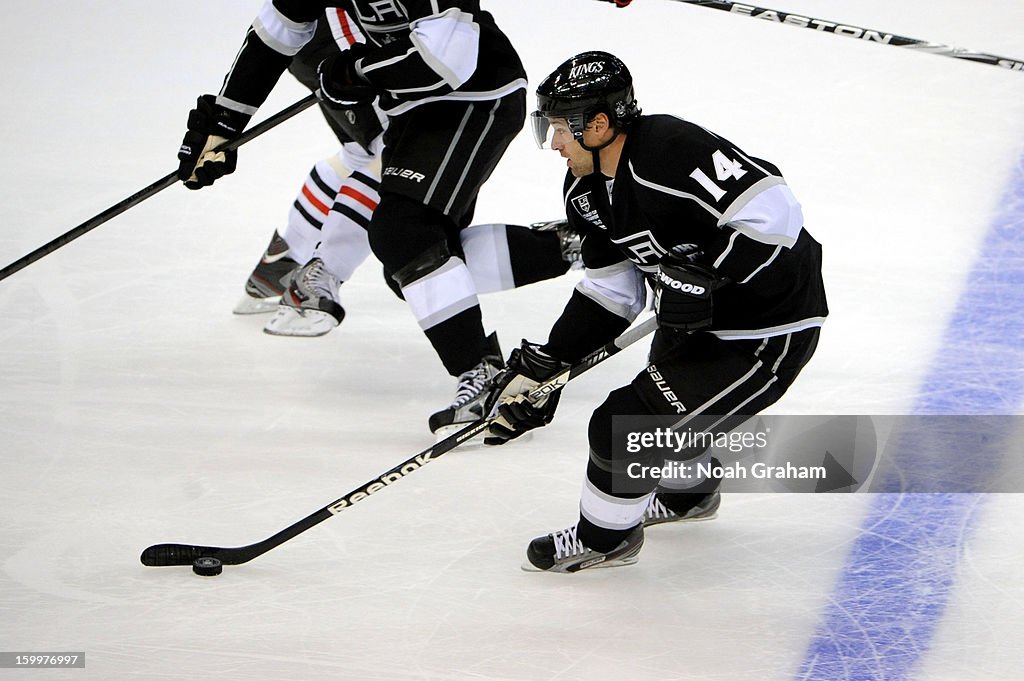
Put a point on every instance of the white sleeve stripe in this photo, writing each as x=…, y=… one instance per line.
x=755, y=164
x=775, y=254
x=425, y=88
x=387, y=62
x=743, y=199
x=732, y=240
x=610, y=270
x=280, y=33
x=767, y=332
x=771, y=215
x=232, y=105
x=344, y=30
x=459, y=96
x=619, y=310
x=762, y=237
x=569, y=193
x=449, y=44
x=620, y=292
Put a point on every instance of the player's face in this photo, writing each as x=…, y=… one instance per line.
x=579, y=161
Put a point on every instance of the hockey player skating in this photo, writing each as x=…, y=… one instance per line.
x=453, y=89
x=325, y=240
x=330, y=214
x=739, y=298
x=329, y=218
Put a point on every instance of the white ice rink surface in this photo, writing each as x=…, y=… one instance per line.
x=136, y=409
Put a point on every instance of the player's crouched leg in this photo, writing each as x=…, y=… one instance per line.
x=609, y=531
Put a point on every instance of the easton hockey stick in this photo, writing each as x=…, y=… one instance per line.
x=867, y=34
x=143, y=194
x=161, y=555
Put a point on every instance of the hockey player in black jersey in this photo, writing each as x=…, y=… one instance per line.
x=739, y=297
x=453, y=88
x=329, y=218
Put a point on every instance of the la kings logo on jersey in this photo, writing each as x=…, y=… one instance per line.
x=643, y=249
x=586, y=210
x=384, y=21
x=379, y=12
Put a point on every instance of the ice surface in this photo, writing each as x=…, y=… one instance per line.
x=136, y=409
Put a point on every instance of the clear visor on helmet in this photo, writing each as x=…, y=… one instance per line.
x=546, y=130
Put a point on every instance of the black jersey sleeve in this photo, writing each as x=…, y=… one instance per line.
x=279, y=31
x=584, y=326
x=736, y=256
x=692, y=176
x=609, y=296
x=437, y=56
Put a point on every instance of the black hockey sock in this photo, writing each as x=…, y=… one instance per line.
x=534, y=256
x=599, y=538
x=459, y=341
x=680, y=502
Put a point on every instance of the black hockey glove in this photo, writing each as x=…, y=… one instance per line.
x=683, y=299
x=209, y=126
x=619, y=3
x=340, y=83
x=360, y=122
x=509, y=407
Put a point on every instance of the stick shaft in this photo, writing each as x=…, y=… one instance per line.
x=160, y=555
x=146, y=192
x=866, y=34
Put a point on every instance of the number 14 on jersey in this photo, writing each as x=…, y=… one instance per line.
x=725, y=169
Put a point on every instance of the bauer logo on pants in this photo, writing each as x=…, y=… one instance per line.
x=405, y=173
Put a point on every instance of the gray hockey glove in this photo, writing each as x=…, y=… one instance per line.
x=684, y=294
x=510, y=407
x=209, y=126
x=340, y=82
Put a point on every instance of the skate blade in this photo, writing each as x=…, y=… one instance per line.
x=289, y=321
x=250, y=305
x=527, y=566
x=694, y=519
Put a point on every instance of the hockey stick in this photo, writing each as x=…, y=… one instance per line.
x=184, y=554
x=143, y=194
x=867, y=34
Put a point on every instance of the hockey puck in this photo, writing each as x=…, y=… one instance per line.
x=207, y=566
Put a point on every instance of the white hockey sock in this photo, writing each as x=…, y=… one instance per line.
x=690, y=473
x=608, y=511
x=487, y=257
x=310, y=209
x=442, y=294
x=344, y=242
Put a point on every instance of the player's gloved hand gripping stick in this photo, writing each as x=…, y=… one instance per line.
x=187, y=554
x=143, y=194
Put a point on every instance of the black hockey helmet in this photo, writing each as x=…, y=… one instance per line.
x=582, y=87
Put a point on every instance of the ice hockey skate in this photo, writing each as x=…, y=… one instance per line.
x=471, y=394
x=269, y=279
x=561, y=551
x=309, y=306
x=703, y=508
